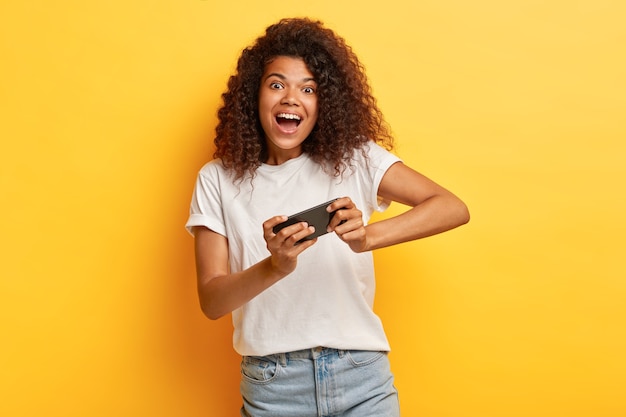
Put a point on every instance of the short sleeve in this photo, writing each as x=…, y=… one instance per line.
x=378, y=162
x=206, y=201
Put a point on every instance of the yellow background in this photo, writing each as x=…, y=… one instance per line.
x=108, y=110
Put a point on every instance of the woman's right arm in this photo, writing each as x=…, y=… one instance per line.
x=221, y=292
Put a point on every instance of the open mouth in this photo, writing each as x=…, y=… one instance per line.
x=288, y=121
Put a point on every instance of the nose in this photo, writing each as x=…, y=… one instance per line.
x=289, y=97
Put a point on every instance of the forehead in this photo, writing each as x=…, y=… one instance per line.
x=287, y=66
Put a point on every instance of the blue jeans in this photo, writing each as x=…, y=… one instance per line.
x=318, y=382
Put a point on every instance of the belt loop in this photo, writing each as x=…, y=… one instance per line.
x=341, y=353
x=282, y=359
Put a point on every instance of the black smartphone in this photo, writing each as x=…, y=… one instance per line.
x=316, y=216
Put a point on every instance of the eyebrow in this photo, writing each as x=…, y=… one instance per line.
x=282, y=77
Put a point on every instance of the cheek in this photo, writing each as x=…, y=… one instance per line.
x=313, y=109
x=316, y=115
x=264, y=111
x=262, y=105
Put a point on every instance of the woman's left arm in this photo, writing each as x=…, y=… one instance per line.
x=433, y=210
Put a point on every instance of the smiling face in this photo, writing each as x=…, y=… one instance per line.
x=287, y=107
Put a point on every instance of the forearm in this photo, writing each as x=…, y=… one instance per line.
x=222, y=294
x=434, y=215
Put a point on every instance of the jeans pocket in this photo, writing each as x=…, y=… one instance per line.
x=360, y=358
x=259, y=370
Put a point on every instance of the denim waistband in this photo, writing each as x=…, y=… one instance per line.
x=310, y=354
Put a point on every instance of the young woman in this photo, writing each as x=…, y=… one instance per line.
x=299, y=127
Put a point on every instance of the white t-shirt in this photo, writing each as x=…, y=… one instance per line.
x=328, y=299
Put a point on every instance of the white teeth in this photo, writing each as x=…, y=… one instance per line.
x=288, y=116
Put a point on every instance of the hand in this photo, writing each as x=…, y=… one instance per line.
x=348, y=224
x=282, y=245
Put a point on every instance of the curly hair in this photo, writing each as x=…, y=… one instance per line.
x=349, y=116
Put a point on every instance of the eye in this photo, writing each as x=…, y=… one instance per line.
x=275, y=85
x=308, y=90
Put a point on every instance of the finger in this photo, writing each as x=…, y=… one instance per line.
x=340, y=217
x=343, y=216
x=287, y=231
x=269, y=224
x=340, y=203
x=294, y=239
x=351, y=234
x=302, y=246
